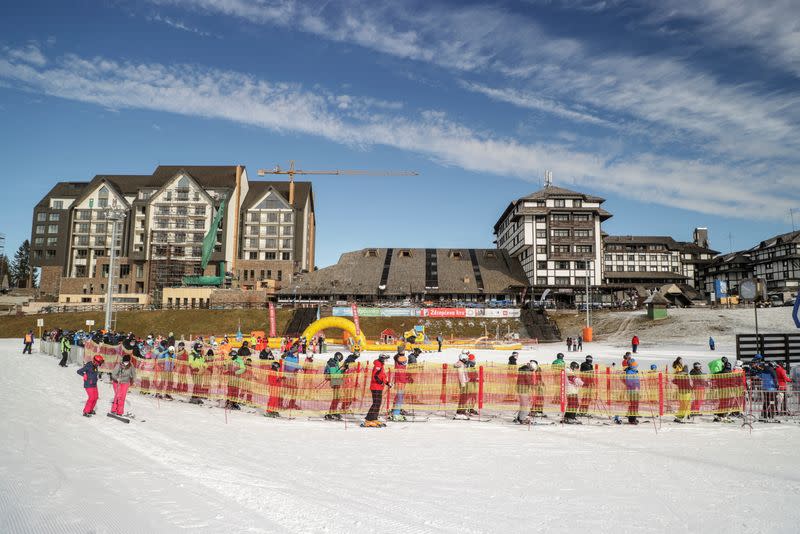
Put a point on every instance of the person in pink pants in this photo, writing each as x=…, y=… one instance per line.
x=121, y=378
x=89, y=372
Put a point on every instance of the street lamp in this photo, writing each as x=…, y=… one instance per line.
x=115, y=215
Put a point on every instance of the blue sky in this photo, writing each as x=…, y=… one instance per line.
x=680, y=113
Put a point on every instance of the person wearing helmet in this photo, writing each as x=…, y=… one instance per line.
x=122, y=377
x=472, y=384
x=573, y=386
x=512, y=360
x=90, y=372
x=559, y=359
x=461, y=372
x=525, y=383
x=401, y=378
x=236, y=368
x=274, y=379
x=699, y=384
x=350, y=370
x=587, y=391
x=334, y=375
x=378, y=382
x=633, y=386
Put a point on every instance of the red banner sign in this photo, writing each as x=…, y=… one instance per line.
x=444, y=312
x=355, y=318
x=272, y=328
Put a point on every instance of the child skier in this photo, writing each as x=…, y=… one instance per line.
x=121, y=379
x=89, y=372
x=377, y=383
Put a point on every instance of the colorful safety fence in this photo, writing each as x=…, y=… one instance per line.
x=432, y=387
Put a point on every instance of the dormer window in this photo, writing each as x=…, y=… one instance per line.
x=372, y=253
x=404, y=253
x=456, y=254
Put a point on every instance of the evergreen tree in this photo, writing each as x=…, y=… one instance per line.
x=20, y=268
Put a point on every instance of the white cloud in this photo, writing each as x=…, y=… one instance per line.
x=667, y=96
x=734, y=190
x=30, y=53
x=178, y=25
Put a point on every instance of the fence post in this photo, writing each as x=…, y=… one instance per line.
x=563, y=391
x=661, y=394
x=608, y=387
x=443, y=397
x=480, y=387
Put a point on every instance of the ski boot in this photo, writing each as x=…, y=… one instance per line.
x=525, y=421
x=373, y=424
x=329, y=417
x=462, y=416
x=472, y=412
x=397, y=417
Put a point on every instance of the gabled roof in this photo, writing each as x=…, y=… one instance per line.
x=552, y=192
x=789, y=237
x=206, y=175
x=667, y=241
x=63, y=190
x=257, y=190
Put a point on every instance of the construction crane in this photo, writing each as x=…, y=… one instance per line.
x=291, y=171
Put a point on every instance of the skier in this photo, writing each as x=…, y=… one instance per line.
x=569, y=344
x=198, y=366
x=525, y=379
x=266, y=354
x=723, y=382
x=414, y=356
x=559, y=361
x=572, y=388
x=89, y=372
x=684, y=385
x=439, y=340
x=782, y=378
x=472, y=385
x=580, y=344
x=401, y=378
x=625, y=359
x=65, y=349
x=587, y=392
x=236, y=368
x=27, y=342
x=698, y=388
x=766, y=373
x=711, y=343
x=334, y=375
x=635, y=344
x=632, y=384
x=350, y=382
x=122, y=378
x=274, y=380
x=244, y=350
x=377, y=383
x=461, y=368
x=291, y=366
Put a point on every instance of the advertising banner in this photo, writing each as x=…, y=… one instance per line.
x=272, y=328
x=449, y=313
x=354, y=311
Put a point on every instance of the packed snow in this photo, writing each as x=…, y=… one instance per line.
x=179, y=466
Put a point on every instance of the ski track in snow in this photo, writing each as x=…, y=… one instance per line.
x=185, y=469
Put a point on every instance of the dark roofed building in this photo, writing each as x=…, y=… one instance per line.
x=379, y=274
x=777, y=260
x=729, y=268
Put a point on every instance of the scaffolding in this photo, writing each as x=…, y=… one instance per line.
x=168, y=266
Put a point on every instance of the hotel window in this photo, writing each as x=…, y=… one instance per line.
x=541, y=265
x=577, y=203
x=559, y=203
x=287, y=230
x=561, y=249
x=255, y=217
x=38, y=241
x=563, y=217
x=41, y=217
x=582, y=217
x=541, y=281
x=541, y=249
x=562, y=265
x=39, y=228
x=286, y=256
x=52, y=229
x=562, y=280
x=272, y=217
x=37, y=254
x=287, y=217
x=583, y=233
x=271, y=255
x=272, y=230
x=58, y=205
x=560, y=233
x=608, y=257
x=200, y=210
x=583, y=248
x=541, y=233
x=54, y=217
x=51, y=241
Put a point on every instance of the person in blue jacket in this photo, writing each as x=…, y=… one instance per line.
x=291, y=365
x=90, y=373
x=632, y=384
x=711, y=344
x=769, y=384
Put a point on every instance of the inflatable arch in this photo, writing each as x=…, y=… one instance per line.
x=335, y=322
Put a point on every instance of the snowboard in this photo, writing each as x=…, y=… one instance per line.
x=118, y=417
x=364, y=425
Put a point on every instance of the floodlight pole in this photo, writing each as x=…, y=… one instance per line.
x=114, y=215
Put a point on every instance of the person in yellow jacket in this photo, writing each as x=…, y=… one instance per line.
x=198, y=367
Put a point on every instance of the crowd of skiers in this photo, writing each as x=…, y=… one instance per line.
x=692, y=383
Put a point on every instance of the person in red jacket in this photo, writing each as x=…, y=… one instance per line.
x=635, y=344
x=376, y=385
x=274, y=379
x=783, y=378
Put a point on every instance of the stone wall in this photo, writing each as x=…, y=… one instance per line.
x=237, y=296
x=50, y=280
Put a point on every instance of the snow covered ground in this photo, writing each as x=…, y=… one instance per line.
x=184, y=468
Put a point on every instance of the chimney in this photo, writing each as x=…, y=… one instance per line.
x=701, y=237
x=291, y=191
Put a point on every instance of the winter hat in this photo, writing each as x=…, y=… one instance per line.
x=98, y=360
x=383, y=357
x=401, y=359
x=589, y=358
x=471, y=357
x=633, y=363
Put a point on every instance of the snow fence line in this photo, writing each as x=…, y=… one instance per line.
x=430, y=388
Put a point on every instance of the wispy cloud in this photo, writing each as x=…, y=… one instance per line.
x=534, y=69
x=742, y=191
x=178, y=25
x=30, y=53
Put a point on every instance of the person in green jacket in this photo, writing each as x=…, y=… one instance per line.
x=335, y=375
x=559, y=359
x=235, y=369
x=65, y=348
x=197, y=366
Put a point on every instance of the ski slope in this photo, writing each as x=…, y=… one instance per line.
x=186, y=469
